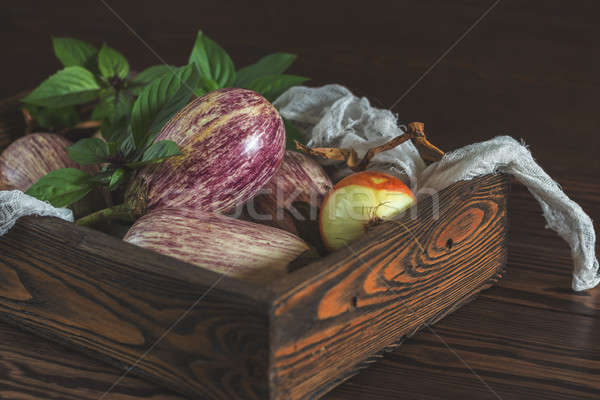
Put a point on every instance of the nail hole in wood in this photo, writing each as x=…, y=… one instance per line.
x=449, y=244
x=354, y=302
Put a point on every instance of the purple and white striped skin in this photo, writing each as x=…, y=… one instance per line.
x=299, y=179
x=219, y=243
x=31, y=157
x=232, y=142
x=264, y=211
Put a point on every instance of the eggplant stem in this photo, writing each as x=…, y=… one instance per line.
x=120, y=212
x=29, y=123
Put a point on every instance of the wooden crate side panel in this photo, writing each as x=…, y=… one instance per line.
x=403, y=276
x=115, y=301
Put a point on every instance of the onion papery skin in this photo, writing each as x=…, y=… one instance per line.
x=232, y=141
x=226, y=245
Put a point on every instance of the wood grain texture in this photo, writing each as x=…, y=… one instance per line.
x=528, y=337
x=517, y=356
x=529, y=69
x=34, y=368
x=335, y=314
x=530, y=312
x=118, y=302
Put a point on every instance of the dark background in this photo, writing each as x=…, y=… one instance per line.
x=529, y=69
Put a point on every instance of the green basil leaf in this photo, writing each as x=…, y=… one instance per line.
x=272, y=64
x=112, y=105
x=292, y=133
x=101, y=110
x=199, y=92
x=68, y=87
x=111, y=63
x=102, y=178
x=128, y=145
x=159, y=101
x=212, y=61
x=272, y=86
x=113, y=148
x=118, y=177
x=205, y=85
x=148, y=75
x=157, y=153
x=161, y=150
x=76, y=52
x=89, y=151
x=115, y=131
x=114, y=110
x=53, y=119
x=62, y=187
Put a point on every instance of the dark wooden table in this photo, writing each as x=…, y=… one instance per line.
x=528, y=69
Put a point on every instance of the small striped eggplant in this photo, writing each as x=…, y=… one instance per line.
x=298, y=179
x=220, y=243
x=232, y=142
x=291, y=200
x=30, y=157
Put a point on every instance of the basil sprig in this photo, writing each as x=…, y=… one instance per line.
x=133, y=109
x=266, y=76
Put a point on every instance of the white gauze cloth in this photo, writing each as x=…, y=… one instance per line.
x=505, y=154
x=331, y=116
x=15, y=204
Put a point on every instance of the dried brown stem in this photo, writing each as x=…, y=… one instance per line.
x=397, y=141
x=87, y=124
x=427, y=150
x=329, y=153
x=29, y=122
x=416, y=133
x=81, y=125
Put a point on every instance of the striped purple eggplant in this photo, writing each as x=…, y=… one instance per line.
x=298, y=179
x=298, y=187
x=291, y=200
x=232, y=142
x=30, y=157
x=222, y=244
x=264, y=211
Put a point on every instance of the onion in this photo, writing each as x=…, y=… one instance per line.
x=358, y=202
x=222, y=244
x=232, y=142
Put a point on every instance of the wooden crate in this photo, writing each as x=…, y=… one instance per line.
x=214, y=337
